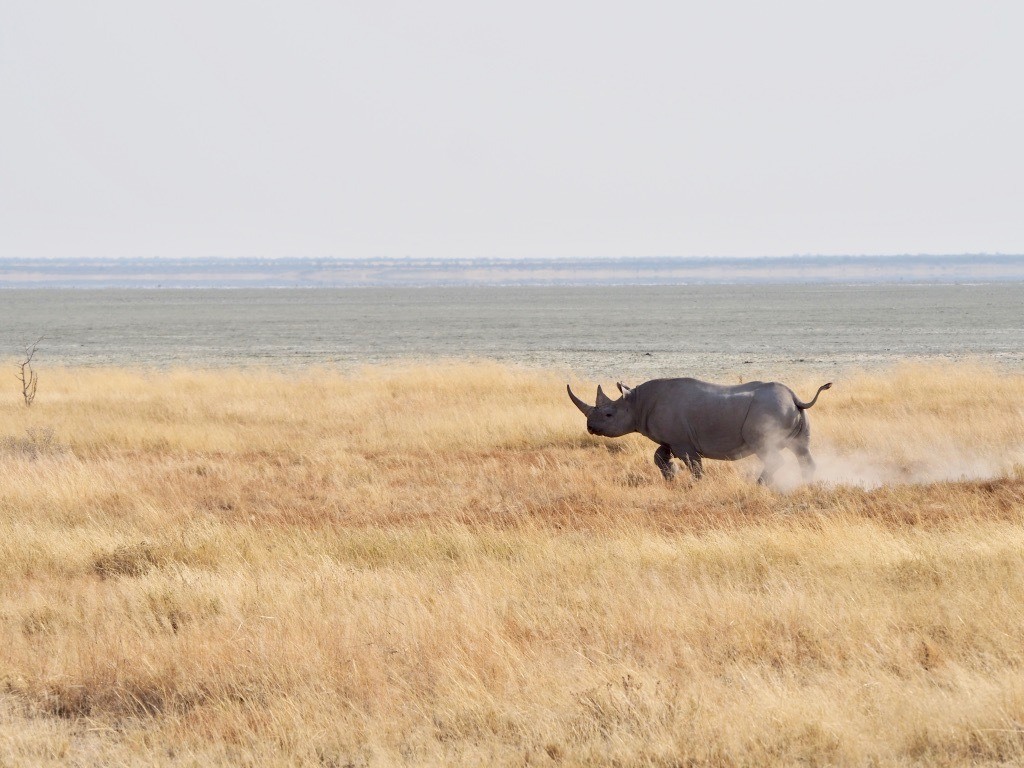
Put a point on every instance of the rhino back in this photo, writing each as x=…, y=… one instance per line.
x=706, y=417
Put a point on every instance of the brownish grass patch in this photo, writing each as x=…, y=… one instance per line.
x=437, y=565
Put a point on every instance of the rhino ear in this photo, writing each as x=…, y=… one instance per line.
x=602, y=398
x=626, y=391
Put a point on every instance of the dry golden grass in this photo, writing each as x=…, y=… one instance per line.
x=437, y=565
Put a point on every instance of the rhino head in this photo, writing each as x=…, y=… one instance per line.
x=608, y=418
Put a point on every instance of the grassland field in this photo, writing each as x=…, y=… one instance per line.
x=437, y=565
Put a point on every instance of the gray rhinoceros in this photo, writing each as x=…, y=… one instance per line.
x=694, y=420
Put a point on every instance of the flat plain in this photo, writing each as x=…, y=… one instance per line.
x=436, y=565
x=709, y=331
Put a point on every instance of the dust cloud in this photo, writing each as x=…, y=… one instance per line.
x=864, y=470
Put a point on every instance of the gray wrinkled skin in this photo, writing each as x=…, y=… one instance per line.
x=693, y=420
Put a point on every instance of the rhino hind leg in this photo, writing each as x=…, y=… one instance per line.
x=772, y=460
x=801, y=447
x=663, y=458
x=807, y=465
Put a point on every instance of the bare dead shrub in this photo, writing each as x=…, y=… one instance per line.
x=29, y=378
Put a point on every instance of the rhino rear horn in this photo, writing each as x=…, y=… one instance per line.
x=602, y=398
x=584, y=408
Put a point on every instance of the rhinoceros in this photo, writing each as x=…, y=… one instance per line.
x=694, y=420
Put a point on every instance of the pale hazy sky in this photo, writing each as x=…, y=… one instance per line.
x=520, y=129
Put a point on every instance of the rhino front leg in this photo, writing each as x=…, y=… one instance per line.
x=685, y=454
x=693, y=463
x=663, y=458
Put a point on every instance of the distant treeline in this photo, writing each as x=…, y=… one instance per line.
x=353, y=272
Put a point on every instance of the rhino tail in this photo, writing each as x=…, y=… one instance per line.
x=804, y=406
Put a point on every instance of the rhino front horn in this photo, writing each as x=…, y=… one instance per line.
x=584, y=408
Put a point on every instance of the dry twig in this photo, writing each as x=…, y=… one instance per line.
x=29, y=378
